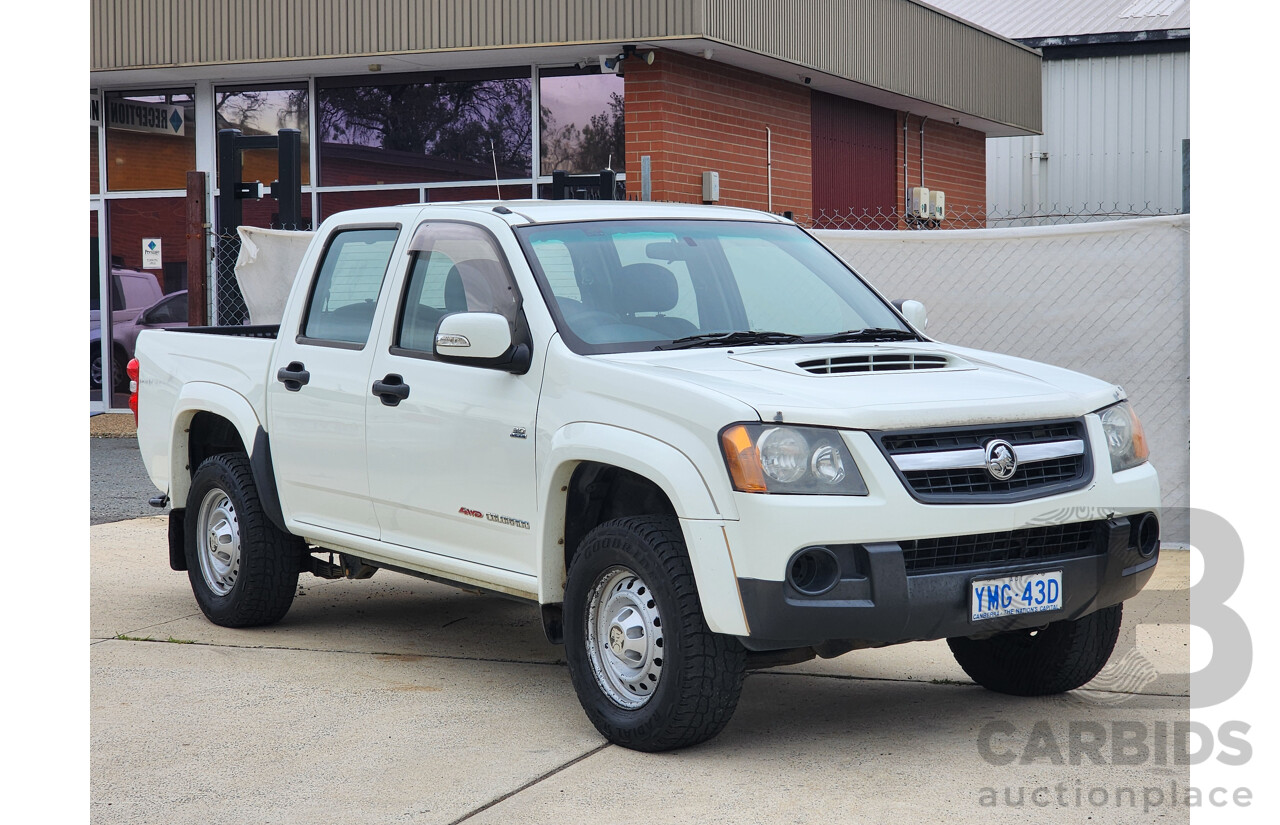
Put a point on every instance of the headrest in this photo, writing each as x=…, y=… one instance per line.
x=644, y=288
x=477, y=285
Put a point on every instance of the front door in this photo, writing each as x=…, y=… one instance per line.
x=451, y=463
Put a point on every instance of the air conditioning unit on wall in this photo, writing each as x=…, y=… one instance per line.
x=920, y=203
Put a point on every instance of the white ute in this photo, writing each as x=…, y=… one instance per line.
x=692, y=435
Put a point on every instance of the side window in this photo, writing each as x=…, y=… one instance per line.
x=346, y=290
x=171, y=310
x=756, y=264
x=456, y=268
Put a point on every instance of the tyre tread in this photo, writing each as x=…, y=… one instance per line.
x=714, y=665
x=268, y=577
x=1063, y=656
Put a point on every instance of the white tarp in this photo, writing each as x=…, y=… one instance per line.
x=265, y=270
x=1109, y=299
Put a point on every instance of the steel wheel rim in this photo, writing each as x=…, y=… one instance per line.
x=624, y=638
x=218, y=542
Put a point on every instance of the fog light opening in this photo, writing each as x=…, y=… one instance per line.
x=1148, y=535
x=813, y=571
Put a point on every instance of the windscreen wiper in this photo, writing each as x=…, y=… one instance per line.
x=871, y=334
x=731, y=339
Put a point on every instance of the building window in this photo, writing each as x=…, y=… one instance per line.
x=265, y=110
x=425, y=129
x=93, y=160
x=151, y=139
x=582, y=122
x=133, y=222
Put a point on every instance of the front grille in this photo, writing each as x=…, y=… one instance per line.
x=971, y=481
x=1033, y=478
x=1058, y=541
x=967, y=437
x=874, y=362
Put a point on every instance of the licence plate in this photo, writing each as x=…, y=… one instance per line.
x=1015, y=595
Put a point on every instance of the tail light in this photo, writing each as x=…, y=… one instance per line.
x=132, y=371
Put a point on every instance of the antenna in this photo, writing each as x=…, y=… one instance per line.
x=494, y=153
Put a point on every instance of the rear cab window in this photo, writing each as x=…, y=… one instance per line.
x=344, y=297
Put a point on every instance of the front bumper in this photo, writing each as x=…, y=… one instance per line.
x=881, y=604
x=888, y=605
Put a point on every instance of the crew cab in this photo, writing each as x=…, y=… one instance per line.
x=693, y=436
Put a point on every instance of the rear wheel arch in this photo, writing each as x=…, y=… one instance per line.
x=208, y=419
x=209, y=434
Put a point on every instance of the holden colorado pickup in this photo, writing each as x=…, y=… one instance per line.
x=693, y=436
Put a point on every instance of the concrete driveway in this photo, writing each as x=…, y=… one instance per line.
x=394, y=700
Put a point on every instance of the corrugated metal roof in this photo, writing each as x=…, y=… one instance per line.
x=1058, y=18
x=900, y=54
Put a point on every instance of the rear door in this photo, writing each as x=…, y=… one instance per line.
x=319, y=384
x=452, y=462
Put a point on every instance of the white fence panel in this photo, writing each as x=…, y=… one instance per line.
x=1108, y=299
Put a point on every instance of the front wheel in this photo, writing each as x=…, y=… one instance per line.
x=243, y=569
x=648, y=671
x=1056, y=658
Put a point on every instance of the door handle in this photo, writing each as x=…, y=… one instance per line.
x=293, y=376
x=391, y=389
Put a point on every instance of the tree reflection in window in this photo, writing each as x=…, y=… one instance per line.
x=434, y=130
x=265, y=110
x=583, y=124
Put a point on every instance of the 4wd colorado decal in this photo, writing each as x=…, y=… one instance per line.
x=510, y=522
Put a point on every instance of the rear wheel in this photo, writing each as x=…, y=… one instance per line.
x=648, y=671
x=243, y=569
x=1056, y=658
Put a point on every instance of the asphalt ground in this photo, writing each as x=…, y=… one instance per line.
x=397, y=700
x=118, y=483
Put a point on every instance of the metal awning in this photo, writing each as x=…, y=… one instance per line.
x=899, y=54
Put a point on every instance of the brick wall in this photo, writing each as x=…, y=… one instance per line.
x=132, y=220
x=955, y=161
x=141, y=160
x=691, y=115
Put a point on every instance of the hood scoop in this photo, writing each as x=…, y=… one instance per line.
x=906, y=361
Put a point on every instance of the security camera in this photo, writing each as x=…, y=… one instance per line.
x=808, y=80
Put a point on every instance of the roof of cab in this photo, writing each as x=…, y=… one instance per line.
x=520, y=212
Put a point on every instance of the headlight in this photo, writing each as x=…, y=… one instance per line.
x=765, y=458
x=1126, y=441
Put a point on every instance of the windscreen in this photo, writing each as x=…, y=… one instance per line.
x=619, y=286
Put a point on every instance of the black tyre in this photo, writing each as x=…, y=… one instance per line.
x=243, y=569
x=648, y=671
x=119, y=376
x=1053, y=659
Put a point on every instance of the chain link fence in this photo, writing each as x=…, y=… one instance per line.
x=963, y=216
x=227, y=306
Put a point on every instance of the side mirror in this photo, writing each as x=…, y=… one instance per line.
x=915, y=313
x=482, y=339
